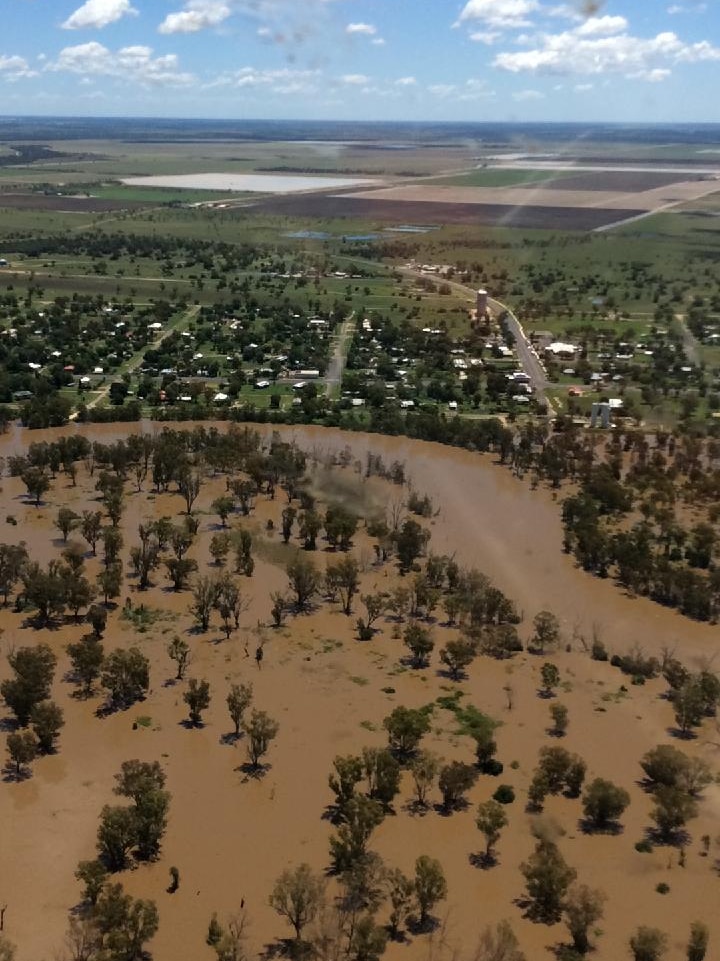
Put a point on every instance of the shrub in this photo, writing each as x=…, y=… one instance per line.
x=505, y=794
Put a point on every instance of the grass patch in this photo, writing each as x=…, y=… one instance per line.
x=143, y=618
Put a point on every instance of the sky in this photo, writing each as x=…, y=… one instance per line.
x=459, y=60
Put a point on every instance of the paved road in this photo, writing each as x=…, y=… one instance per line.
x=531, y=363
x=336, y=367
x=529, y=360
x=691, y=345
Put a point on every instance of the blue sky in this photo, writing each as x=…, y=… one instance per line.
x=585, y=60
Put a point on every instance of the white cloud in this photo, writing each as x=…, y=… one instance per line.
x=405, y=82
x=355, y=79
x=584, y=87
x=197, y=15
x=488, y=37
x=15, y=68
x=283, y=81
x=602, y=26
x=499, y=13
x=522, y=96
x=136, y=64
x=96, y=14
x=377, y=42
x=636, y=57
x=365, y=29
x=442, y=89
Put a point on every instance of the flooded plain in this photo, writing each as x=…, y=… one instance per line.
x=250, y=183
x=231, y=836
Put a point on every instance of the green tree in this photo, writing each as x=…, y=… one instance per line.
x=383, y=775
x=664, y=765
x=698, y=943
x=648, y=944
x=220, y=548
x=179, y=570
x=457, y=655
x=430, y=886
x=126, y=676
x=117, y=836
x=604, y=803
x=547, y=878
x=297, y=896
x=361, y=816
x=559, y=717
x=491, y=819
x=260, y=731
x=110, y=580
x=37, y=483
x=673, y=809
x=454, y=782
x=47, y=720
x=66, y=521
x=205, y=592
x=546, y=632
x=91, y=527
x=22, y=748
x=87, y=657
x=125, y=924
x=34, y=669
x=406, y=727
x=583, y=908
x=424, y=768
x=343, y=577
x=347, y=774
x=97, y=619
x=197, y=698
x=410, y=541
x=238, y=701
x=367, y=940
x=223, y=507
x=550, y=678
x=499, y=944
x=401, y=893
x=304, y=579
x=93, y=875
x=13, y=560
x=419, y=640
x=179, y=651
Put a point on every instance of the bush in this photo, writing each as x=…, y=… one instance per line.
x=644, y=847
x=492, y=767
x=505, y=794
x=662, y=888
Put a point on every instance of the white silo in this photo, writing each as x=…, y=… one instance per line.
x=481, y=303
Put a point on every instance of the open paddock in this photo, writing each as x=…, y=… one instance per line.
x=380, y=210
x=626, y=181
x=83, y=205
x=542, y=196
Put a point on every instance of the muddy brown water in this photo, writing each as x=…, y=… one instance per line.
x=231, y=836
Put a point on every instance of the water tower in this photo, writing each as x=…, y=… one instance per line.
x=481, y=303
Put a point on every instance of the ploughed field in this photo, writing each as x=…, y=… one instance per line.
x=232, y=831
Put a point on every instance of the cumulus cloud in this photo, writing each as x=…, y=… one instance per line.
x=95, y=14
x=488, y=37
x=365, y=29
x=281, y=81
x=136, y=64
x=522, y=96
x=639, y=58
x=499, y=13
x=602, y=26
x=355, y=79
x=15, y=68
x=197, y=15
x=405, y=82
